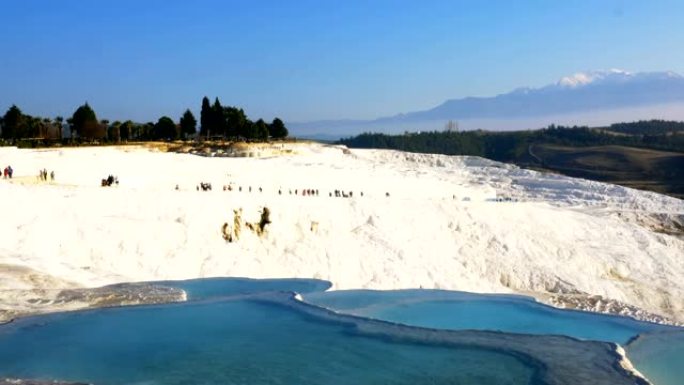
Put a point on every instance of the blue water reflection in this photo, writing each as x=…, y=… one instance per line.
x=458, y=311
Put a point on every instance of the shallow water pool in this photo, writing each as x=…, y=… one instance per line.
x=660, y=357
x=225, y=334
x=232, y=342
x=461, y=311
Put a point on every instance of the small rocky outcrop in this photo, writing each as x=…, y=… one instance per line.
x=232, y=234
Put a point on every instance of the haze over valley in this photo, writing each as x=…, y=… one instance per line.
x=594, y=98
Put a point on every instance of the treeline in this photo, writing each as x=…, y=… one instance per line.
x=231, y=122
x=513, y=146
x=84, y=126
x=648, y=127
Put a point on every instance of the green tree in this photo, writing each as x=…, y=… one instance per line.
x=235, y=121
x=126, y=130
x=104, y=125
x=33, y=129
x=115, y=131
x=45, y=128
x=147, y=131
x=85, y=122
x=218, y=122
x=59, y=122
x=277, y=129
x=188, y=124
x=165, y=129
x=205, y=117
x=261, y=130
x=13, y=123
x=246, y=131
x=72, y=128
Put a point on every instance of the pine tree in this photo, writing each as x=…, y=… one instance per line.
x=235, y=121
x=126, y=130
x=85, y=122
x=218, y=122
x=277, y=129
x=188, y=124
x=205, y=117
x=165, y=129
x=13, y=123
x=261, y=130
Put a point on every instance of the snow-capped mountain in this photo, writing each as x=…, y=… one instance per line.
x=612, y=76
x=581, y=94
x=594, y=90
x=583, y=78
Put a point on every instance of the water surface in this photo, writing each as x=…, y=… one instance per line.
x=205, y=288
x=660, y=357
x=461, y=311
x=232, y=342
x=225, y=335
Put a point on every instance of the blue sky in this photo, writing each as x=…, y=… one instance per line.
x=314, y=59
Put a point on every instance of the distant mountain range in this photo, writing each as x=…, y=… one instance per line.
x=583, y=98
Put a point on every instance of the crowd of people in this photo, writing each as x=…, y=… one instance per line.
x=338, y=193
x=43, y=174
x=305, y=192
